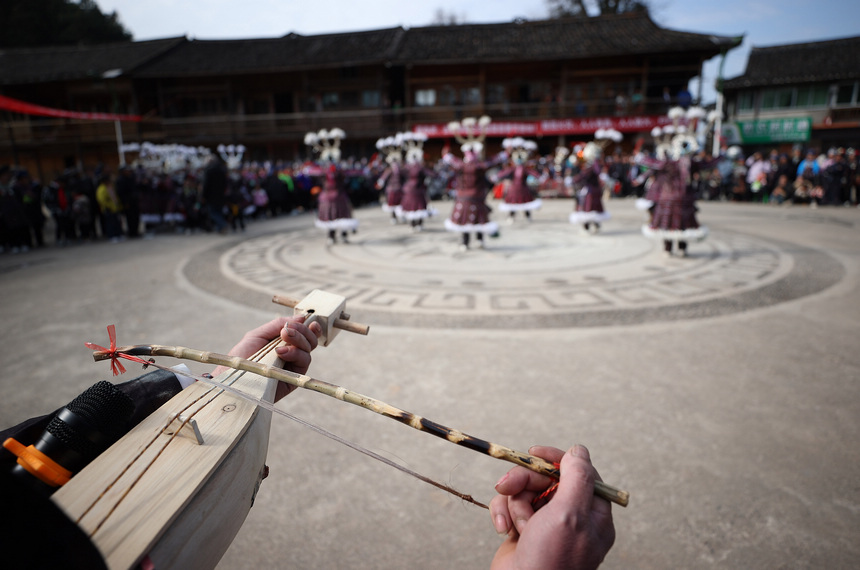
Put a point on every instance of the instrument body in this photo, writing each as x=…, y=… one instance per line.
x=158, y=492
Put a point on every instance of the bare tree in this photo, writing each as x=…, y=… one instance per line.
x=586, y=8
x=442, y=18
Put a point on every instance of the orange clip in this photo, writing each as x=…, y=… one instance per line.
x=38, y=464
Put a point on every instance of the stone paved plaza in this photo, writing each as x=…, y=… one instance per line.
x=721, y=390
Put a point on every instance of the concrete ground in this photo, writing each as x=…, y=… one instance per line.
x=720, y=390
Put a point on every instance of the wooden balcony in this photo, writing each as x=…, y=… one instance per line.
x=34, y=132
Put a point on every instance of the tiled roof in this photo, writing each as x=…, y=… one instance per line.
x=792, y=64
x=571, y=38
x=293, y=51
x=39, y=65
x=565, y=38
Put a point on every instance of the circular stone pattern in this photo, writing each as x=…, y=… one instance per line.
x=542, y=274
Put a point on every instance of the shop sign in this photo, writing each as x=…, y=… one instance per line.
x=786, y=129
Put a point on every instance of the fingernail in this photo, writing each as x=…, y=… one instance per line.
x=501, y=524
x=520, y=524
x=502, y=480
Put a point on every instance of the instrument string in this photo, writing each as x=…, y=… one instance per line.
x=322, y=431
x=215, y=386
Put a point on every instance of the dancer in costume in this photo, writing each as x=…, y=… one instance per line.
x=519, y=197
x=413, y=207
x=392, y=178
x=471, y=214
x=673, y=217
x=334, y=210
x=589, y=207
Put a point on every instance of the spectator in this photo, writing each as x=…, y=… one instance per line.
x=110, y=207
x=12, y=216
x=29, y=193
x=127, y=193
x=758, y=169
x=782, y=191
x=833, y=178
x=58, y=201
x=808, y=169
x=685, y=99
x=215, y=192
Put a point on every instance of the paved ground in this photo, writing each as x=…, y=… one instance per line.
x=720, y=390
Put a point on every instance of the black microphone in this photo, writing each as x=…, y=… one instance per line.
x=79, y=433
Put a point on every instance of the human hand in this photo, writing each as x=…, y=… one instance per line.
x=573, y=530
x=300, y=340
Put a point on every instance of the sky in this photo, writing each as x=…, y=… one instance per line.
x=761, y=22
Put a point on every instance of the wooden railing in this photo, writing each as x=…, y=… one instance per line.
x=248, y=129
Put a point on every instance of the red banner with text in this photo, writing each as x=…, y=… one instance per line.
x=16, y=106
x=554, y=127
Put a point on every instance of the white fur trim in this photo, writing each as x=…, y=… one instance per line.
x=643, y=204
x=690, y=234
x=339, y=224
x=586, y=217
x=525, y=206
x=418, y=214
x=488, y=228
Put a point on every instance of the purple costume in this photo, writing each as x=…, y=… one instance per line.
x=673, y=216
x=414, y=203
x=334, y=210
x=471, y=213
x=518, y=196
x=589, y=207
x=392, y=179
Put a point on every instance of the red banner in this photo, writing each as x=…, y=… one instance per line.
x=16, y=106
x=550, y=127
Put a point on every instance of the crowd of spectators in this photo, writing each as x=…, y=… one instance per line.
x=140, y=202
x=803, y=176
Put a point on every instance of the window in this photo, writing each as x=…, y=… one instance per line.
x=371, y=98
x=745, y=101
x=209, y=106
x=818, y=96
x=258, y=106
x=471, y=96
x=349, y=98
x=783, y=98
x=283, y=102
x=496, y=94
x=330, y=100
x=447, y=96
x=777, y=98
x=425, y=97
x=845, y=94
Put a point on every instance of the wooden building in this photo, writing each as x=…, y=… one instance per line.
x=553, y=80
x=804, y=94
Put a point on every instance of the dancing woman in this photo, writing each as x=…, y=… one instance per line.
x=334, y=210
x=673, y=216
x=589, y=207
x=519, y=197
x=413, y=207
x=392, y=178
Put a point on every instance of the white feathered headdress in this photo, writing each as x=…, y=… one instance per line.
x=391, y=147
x=470, y=133
x=519, y=148
x=677, y=140
x=414, y=145
x=326, y=143
x=232, y=155
x=602, y=139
